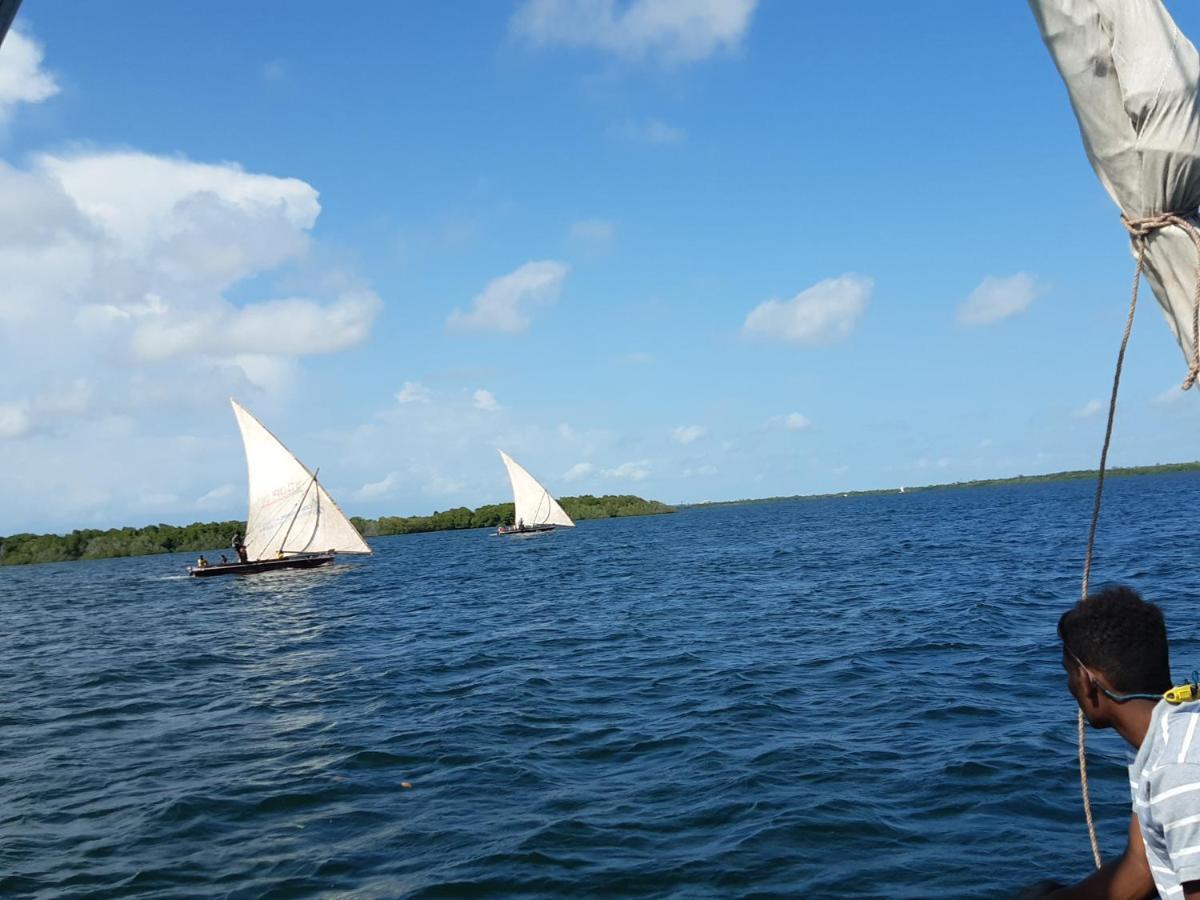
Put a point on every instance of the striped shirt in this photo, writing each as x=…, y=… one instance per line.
x=1165, y=780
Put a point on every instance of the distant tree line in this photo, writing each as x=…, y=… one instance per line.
x=1072, y=475
x=585, y=507
x=203, y=537
x=90, y=543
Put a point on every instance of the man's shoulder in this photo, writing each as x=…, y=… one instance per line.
x=1173, y=743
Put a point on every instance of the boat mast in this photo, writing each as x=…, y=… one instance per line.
x=8, y=12
x=296, y=514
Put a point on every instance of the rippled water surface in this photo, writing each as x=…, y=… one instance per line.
x=849, y=697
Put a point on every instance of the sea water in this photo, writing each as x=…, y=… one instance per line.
x=851, y=697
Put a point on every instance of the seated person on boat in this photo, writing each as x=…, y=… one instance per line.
x=1114, y=651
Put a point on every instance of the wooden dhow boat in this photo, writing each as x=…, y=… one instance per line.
x=292, y=522
x=534, y=509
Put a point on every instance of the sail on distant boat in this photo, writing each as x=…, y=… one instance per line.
x=533, y=507
x=292, y=521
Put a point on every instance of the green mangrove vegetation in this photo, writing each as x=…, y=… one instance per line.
x=578, y=508
x=205, y=537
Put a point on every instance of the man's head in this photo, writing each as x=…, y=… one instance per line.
x=1118, y=638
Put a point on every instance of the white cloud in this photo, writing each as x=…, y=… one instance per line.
x=485, y=400
x=577, y=471
x=1089, y=409
x=413, y=392
x=629, y=471
x=219, y=497
x=998, y=298
x=566, y=432
x=792, y=421
x=291, y=327
x=274, y=71
x=22, y=79
x=593, y=231
x=381, y=488
x=1170, y=396
x=827, y=311
x=704, y=471
x=15, y=421
x=156, y=500
x=647, y=131
x=674, y=31
x=441, y=485
x=637, y=358
x=685, y=434
x=111, y=255
x=503, y=305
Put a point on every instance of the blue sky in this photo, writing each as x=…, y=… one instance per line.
x=689, y=251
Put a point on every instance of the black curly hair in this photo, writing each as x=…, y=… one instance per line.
x=1120, y=634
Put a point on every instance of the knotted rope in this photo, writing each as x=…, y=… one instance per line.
x=1140, y=231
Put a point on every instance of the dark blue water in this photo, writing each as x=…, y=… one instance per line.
x=854, y=697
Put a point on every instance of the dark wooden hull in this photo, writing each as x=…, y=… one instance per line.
x=523, y=529
x=307, y=561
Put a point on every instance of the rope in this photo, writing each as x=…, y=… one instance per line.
x=1140, y=231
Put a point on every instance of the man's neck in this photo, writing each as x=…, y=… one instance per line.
x=1132, y=720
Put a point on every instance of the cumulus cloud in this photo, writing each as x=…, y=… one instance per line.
x=637, y=358
x=1089, y=409
x=1170, y=396
x=593, y=231
x=647, y=131
x=274, y=71
x=111, y=255
x=825, y=312
x=413, y=392
x=685, y=434
x=997, y=299
x=504, y=304
x=219, y=497
x=14, y=420
x=485, y=400
x=792, y=421
x=22, y=78
x=381, y=488
x=629, y=471
x=577, y=471
x=674, y=31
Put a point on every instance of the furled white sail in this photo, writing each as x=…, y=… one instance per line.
x=534, y=505
x=289, y=510
x=1133, y=79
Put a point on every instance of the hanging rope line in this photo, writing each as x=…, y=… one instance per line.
x=1140, y=231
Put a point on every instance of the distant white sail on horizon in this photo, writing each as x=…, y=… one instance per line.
x=532, y=503
x=289, y=511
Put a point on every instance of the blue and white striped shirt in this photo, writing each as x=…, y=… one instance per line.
x=1165, y=780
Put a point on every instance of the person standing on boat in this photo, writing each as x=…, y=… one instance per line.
x=239, y=548
x=1114, y=651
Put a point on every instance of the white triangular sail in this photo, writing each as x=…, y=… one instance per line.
x=1134, y=83
x=289, y=509
x=533, y=503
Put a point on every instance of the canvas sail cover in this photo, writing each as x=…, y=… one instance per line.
x=533, y=503
x=1133, y=78
x=289, y=510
